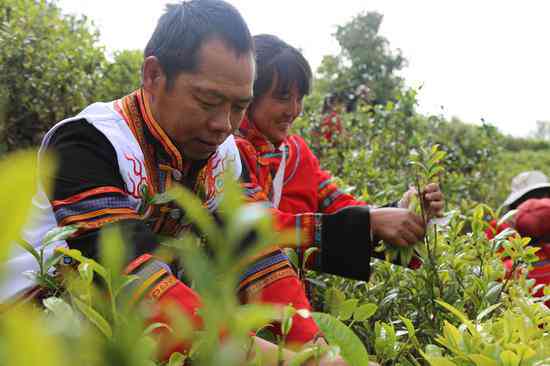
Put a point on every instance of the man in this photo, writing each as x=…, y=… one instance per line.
x=197, y=80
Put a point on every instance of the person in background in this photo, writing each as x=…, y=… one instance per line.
x=533, y=220
x=333, y=107
x=524, y=186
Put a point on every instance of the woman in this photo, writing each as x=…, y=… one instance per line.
x=281, y=170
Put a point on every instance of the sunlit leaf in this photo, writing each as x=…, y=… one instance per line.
x=18, y=174
x=337, y=333
x=94, y=317
x=364, y=312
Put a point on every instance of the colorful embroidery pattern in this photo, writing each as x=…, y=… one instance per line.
x=265, y=271
x=163, y=160
x=93, y=208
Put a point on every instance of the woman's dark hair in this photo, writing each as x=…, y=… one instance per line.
x=275, y=59
x=185, y=26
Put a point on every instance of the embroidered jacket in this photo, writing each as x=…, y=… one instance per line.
x=110, y=156
x=306, y=187
x=307, y=194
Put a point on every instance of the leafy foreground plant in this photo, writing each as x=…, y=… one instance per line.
x=91, y=320
x=518, y=336
x=404, y=309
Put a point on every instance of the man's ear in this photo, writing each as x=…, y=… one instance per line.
x=153, y=75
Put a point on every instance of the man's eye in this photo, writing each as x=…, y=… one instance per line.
x=238, y=108
x=206, y=105
x=284, y=97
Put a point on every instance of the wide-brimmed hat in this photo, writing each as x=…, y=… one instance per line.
x=524, y=183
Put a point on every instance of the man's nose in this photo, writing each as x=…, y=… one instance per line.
x=221, y=122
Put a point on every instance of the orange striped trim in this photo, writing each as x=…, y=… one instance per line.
x=263, y=272
x=83, y=226
x=92, y=192
x=132, y=116
x=158, y=132
x=164, y=285
x=106, y=211
x=307, y=233
x=252, y=292
x=267, y=251
x=146, y=284
x=137, y=262
x=325, y=191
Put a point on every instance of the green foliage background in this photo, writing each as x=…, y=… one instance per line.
x=51, y=67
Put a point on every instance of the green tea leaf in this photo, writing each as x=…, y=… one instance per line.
x=111, y=250
x=308, y=253
x=177, y=359
x=86, y=272
x=334, y=298
x=481, y=360
x=18, y=174
x=25, y=340
x=440, y=361
x=29, y=248
x=58, y=233
x=304, y=355
x=94, y=317
x=286, y=321
x=364, y=312
x=509, y=358
x=292, y=256
x=487, y=311
x=337, y=333
x=347, y=308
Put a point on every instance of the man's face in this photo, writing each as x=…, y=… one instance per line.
x=273, y=114
x=203, y=107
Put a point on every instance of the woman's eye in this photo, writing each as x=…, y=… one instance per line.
x=238, y=109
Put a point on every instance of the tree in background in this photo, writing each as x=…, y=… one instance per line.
x=366, y=67
x=542, y=130
x=51, y=67
x=121, y=76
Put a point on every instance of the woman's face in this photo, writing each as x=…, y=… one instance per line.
x=273, y=113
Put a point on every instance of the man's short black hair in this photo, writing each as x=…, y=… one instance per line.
x=275, y=59
x=185, y=26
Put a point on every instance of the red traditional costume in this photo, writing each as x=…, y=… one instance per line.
x=302, y=196
x=533, y=220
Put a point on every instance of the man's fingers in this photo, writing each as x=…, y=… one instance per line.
x=431, y=187
x=416, y=227
x=409, y=237
x=400, y=242
x=434, y=196
x=414, y=218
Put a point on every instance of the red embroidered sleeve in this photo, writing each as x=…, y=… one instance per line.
x=306, y=227
x=330, y=197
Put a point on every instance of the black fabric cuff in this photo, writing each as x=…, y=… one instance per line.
x=346, y=244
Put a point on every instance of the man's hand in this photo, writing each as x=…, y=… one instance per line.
x=397, y=226
x=432, y=196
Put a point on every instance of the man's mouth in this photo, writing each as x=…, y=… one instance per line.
x=209, y=145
